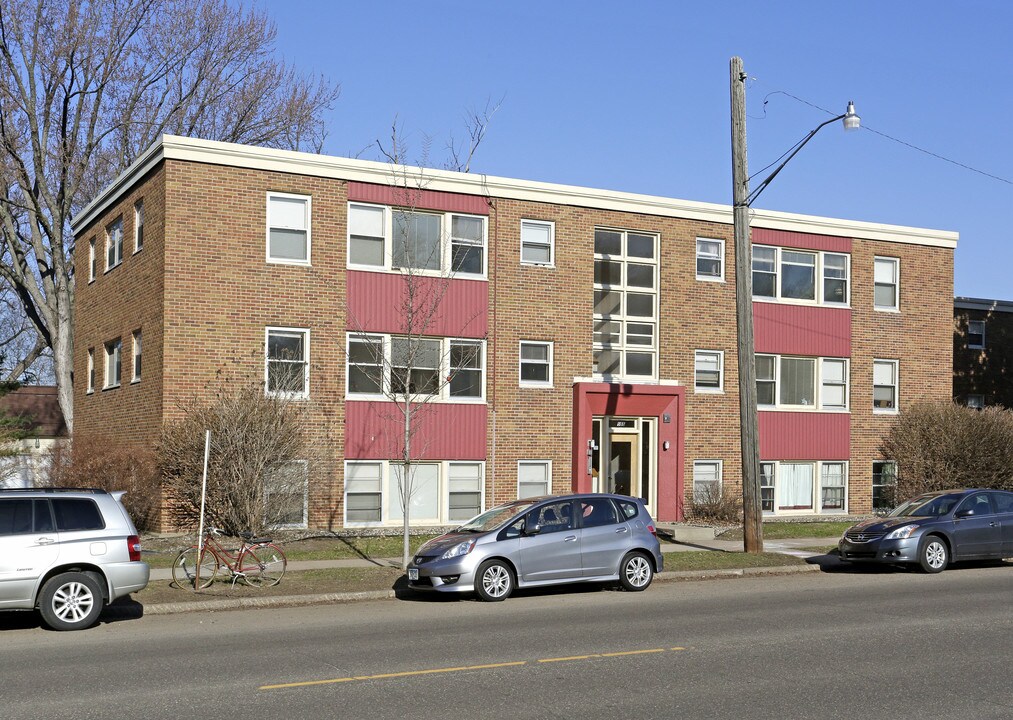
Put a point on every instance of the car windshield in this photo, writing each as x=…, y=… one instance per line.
x=492, y=519
x=927, y=506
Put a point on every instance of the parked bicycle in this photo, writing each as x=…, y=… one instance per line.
x=258, y=562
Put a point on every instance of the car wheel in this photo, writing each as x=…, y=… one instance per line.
x=494, y=581
x=636, y=572
x=71, y=601
x=934, y=556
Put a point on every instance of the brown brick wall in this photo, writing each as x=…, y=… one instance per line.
x=987, y=371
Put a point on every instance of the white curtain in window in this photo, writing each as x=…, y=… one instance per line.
x=424, y=493
x=795, y=486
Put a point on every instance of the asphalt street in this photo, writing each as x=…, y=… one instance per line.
x=880, y=644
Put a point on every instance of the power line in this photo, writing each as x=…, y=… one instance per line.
x=882, y=134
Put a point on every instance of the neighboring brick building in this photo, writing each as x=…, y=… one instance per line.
x=37, y=411
x=983, y=352
x=590, y=334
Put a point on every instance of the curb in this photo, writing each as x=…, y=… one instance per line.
x=131, y=610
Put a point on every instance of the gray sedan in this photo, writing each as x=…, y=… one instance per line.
x=932, y=529
x=543, y=541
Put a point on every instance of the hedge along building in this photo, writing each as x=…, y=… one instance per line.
x=600, y=327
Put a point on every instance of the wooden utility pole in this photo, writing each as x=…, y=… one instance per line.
x=751, y=510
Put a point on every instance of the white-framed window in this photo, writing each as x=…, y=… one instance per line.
x=884, y=385
x=710, y=259
x=976, y=402
x=709, y=367
x=395, y=239
x=625, y=325
x=534, y=478
x=801, y=276
x=884, y=485
x=287, y=362
x=286, y=494
x=804, y=488
x=707, y=481
x=136, y=374
x=138, y=225
x=801, y=383
x=114, y=350
x=92, y=261
x=439, y=492
x=538, y=242
x=449, y=369
x=91, y=370
x=535, y=359
x=886, y=273
x=114, y=244
x=976, y=334
x=289, y=238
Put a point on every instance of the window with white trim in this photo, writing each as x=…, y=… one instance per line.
x=976, y=402
x=114, y=244
x=438, y=492
x=535, y=364
x=976, y=334
x=625, y=338
x=138, y=225
x=538, y=240
x=534, y=478
x=92, y=260
x=286, y=494
x=136, y=376
x=884, y=385
x=791, y=382
x=710, y=259
x=706, y=481
x=286, y=365
x=91, y=370
x=886, y=274
x=794, y=488
x=395, y=239
x=801, y=276
x=884, y=485
x=288, y=228
x=709, y=370
x=451, y=369
x=114, y=349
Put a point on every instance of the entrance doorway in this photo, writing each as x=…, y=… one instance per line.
x=624, y=457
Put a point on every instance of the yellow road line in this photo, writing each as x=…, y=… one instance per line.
x=436, y=671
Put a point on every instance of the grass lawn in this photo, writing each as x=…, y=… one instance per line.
x=790, y=530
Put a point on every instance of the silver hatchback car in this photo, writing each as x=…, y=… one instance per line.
x=543, y=541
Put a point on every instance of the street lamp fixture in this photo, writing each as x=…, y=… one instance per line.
x=742, y=199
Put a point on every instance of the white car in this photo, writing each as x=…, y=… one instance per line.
x=67, y=552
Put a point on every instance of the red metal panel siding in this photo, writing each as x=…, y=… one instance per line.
x=802, y=330
x=417, y=198
x=805, y=436
x=375, y=302
x=809, y=241
x=375, y=431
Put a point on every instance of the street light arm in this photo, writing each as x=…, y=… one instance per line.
x=763, y=185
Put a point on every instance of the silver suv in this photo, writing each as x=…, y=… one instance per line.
x=67, y=552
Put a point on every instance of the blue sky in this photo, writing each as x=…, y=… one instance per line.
x=633, y=96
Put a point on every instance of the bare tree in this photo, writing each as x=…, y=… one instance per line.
x=417, y=366
x=476, y=124
x=258, y=463
x=85, y=86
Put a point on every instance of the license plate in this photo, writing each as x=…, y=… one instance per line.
x=413, y=573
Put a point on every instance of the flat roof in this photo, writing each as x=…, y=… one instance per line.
x=173, y=147
x=970, y=303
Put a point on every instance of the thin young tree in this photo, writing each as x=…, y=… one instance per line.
x=417, y=367
x=85, y=87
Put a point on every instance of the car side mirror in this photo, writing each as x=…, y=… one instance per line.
x=533, y=530
x=967, y=512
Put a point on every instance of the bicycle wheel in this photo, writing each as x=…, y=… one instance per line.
x=262, y=565
x=184, y=569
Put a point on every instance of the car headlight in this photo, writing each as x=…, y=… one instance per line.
x=459, y=550
x=901, y=532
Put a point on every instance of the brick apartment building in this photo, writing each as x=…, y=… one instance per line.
x=983, y=352
x=592, y=332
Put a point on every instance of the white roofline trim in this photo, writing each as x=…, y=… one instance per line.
x=969, y=303
x=172, y=147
